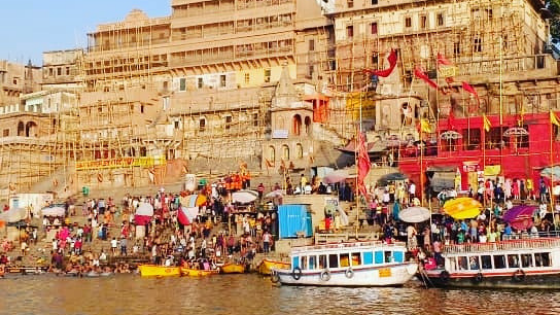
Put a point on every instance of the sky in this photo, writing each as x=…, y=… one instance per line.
x=30, y=27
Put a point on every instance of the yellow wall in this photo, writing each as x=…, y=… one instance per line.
x=256, y=76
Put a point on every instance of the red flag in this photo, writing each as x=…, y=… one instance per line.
x=451, y=120
x=364, y=164
x=385, y=72
x=419, y=73
x=468, y=88
x=442, y=61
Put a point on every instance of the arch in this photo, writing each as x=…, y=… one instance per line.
x=20, y=129
x=31, y=129
x=307, y=125
x=299, y=151
x=272, y=154
x=296, y=125
x=202, y=124
x=285, y=153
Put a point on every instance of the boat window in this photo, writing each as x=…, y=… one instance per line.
x=486, y=261
x=389, y=256
x=344, y=260
x=526, y=260
x=368, y=258
x=462, y=263
x=513, y=261
x=499, y=261
x=312, y=262
x=452, y=264
x=398, y=256
x=295, y=261
x=542, y=259
x=356, y=259
x=379, y=257
x=333, y=261
x=303, y=260
x=474, y=263
x=322, y=261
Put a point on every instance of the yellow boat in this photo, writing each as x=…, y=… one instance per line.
x=233, y=268
x=188, y=272
x=266, y=266
x=159, y=271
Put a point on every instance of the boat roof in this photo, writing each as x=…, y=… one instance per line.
x=528, y=245
x=346, y=246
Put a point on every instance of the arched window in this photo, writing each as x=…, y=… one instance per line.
x=285, y=153
x=20, y=129
x=307, y=125
x=202, y=125
x=272, y=154
x=31, y=129
x=299, y=151
x=296, y=128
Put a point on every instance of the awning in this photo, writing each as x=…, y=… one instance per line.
x=442, y=180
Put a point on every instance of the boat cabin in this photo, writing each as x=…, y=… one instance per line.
x=347, y=255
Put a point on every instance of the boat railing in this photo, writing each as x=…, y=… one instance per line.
x=324, y=238
x=528, y=243
x=346, y=245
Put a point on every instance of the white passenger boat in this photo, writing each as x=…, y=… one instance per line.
x=348, y=264
x=532, y=263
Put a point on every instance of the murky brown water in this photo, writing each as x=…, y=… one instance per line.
x=250, y=294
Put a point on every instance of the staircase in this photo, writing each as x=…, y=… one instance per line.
x=56, y=183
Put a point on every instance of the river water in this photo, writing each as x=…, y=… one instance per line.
x=250, y=294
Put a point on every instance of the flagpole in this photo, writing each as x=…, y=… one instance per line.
x=552, y=114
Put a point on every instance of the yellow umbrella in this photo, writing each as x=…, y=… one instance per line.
x=462, y=208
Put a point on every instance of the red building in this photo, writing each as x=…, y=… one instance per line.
x=460, y=158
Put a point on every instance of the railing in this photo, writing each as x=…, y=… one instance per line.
x=347, y=245
x=504, y=245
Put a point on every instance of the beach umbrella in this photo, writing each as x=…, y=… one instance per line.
x=336, y=176
x=519, y=213
x=450, y=135
x=462, y=208
x=522, y=224
x=243, y=196
x=187, y=215
x=14, y=215
x=54, y=211
x=516, y=132
x=278, y=193
x=145, y=209
x=194, y=201
x=550, y=172
x=414, y=214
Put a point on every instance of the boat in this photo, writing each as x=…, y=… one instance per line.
x=355, y=264
x=531, y=263
x=158, y=271
x=266, y=266
x=189, y=272
x=232, y=268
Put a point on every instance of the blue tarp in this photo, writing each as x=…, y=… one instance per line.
x=294, y=219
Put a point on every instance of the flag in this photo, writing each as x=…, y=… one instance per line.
x=442, y=61
x=554, y=119
x=419, y=73
x=385, y=72
x=487, y=123
x=468, y=88
x=364, y=164
x=425, y=126
x=451, y=120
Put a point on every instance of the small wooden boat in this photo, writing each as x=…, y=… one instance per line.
x=266, y=266
x=159, y=271
x=189, y=272
x=233, y=268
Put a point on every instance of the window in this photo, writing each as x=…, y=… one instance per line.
x=494, y=138
x=408, y=22
x=388, y=256
x=333, y=261
x=67, y=70
x=356, y=259
x=440, y=19
x=499, y=262
x=58, y=71
x=202, y=125
x=272, y=154
x=350, y=3
x=373, y=28
x=462, y=263
x=229, y=119
x=6, y=132
x=247, y=78
x=312, y=262
x=303, y=260
x=375, y=60
x=349, y=31
x=456, y=48
x=255, y=120
x=222, y=80
x=477, y=45
x=471, y=139
x=266, y=75
x=526, y=260
x=200, y=83
x=182, y=84
x=311, y=70
x=285, y=153
x=474, y=263
x=542, y=260
x=311, y=45
x=176, y=124
x=486, y=261
x=513, y=261
x=514, y=142
x=423, y=21
x=344, y=260
x=374, y=2
x=299, y=151
x=322, y=261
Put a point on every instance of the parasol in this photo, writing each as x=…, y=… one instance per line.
x=462, y=208
x=414, y=214
x=145, y=209
x=519, y=213
x=278, y=193
x=14, y=215
x=550, y=172
x=450, y=135
x=193, y=201
x=187, y=215
x=54, y=211
x=336, y=176
x=516, y=132
x=243, y=196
